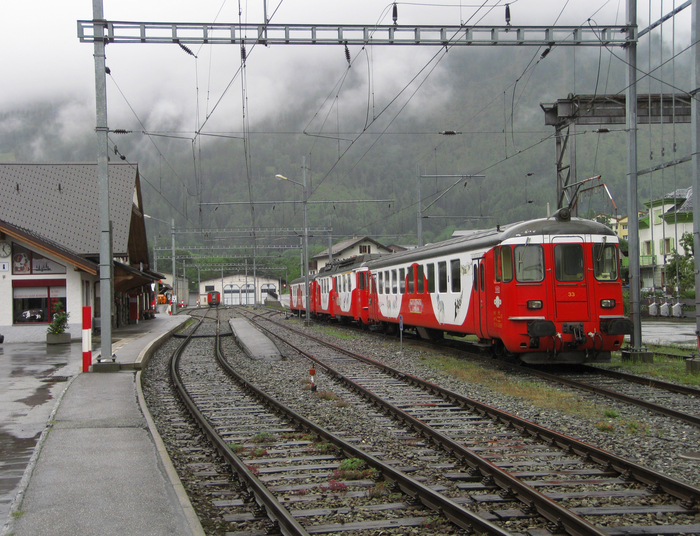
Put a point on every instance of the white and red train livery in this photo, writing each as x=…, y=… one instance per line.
x=546, y=290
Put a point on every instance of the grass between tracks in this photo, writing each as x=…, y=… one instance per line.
x=546, y=397
x=663, y=368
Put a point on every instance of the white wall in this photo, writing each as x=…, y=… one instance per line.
x=37, y=332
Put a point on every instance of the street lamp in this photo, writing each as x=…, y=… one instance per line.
x=306, y=235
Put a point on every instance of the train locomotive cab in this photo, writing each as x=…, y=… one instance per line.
x=213, y=298
x=557, y=294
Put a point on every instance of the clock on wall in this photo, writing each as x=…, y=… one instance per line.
x=5, y=248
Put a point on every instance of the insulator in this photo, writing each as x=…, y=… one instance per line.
x=508, y=14
x=395, y=14
x=347, y=53
x=544, y=54
x=242, y=52
x=186, y=49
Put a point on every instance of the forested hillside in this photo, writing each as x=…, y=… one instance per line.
x=475, y=112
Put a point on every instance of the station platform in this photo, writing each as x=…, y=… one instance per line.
x=254, y=343
x=97, y=465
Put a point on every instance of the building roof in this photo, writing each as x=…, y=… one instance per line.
x=59, y=202
x=338, y=248
x=56, y=250
x=688, y=205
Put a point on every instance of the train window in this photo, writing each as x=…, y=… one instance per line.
x=420, y=279
x=506, y=264
x=361, y=280
x=431, y=278
x=410, y=280
x=529, y=263
x=442, y=277
x=387, y=282
x=380, y=283
x=497, y=263
x=456, y=275
x=482, y=277
x=605, y=262
x=394, y=282
x=568, y=262
x=402, y=281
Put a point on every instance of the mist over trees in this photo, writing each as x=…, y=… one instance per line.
x=477, y=113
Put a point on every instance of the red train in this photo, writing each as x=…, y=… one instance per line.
x=213, y=298
x=545, y=290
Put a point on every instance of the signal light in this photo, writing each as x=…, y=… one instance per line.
x=607, y=304
x=534, y=304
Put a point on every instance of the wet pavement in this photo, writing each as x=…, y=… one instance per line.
x=669, y=332
x=32, y=377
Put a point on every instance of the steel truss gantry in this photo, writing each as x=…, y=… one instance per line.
x=606, y=110
x=353, y=34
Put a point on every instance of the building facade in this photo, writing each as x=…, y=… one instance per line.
x=239, y=289
x=660, y=232
x=49, y=247
x=346, y=249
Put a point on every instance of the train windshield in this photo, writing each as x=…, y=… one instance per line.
x=568, y=262
x=529, y=263
x=605, y=262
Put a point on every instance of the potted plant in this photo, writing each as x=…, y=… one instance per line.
x=56, y=332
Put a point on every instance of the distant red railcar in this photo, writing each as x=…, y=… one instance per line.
x=213, y=298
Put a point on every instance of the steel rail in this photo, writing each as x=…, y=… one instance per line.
x=690, y=495
x=558, y=515
x=659, y=384
x=456, y=513
x=656, y=408
x=278, y=514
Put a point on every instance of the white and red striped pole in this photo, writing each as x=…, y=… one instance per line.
x=87, y=338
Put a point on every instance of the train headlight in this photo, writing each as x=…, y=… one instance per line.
x=534, y=304
x=607, y=304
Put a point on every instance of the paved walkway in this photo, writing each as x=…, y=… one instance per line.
x=95, y=467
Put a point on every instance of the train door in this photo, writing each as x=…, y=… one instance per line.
x=479, y=289
x=360, y=297
x=570, y=288
x=373, y=302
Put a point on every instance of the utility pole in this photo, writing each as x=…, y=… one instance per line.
x=105, y=224
x=632, y=200
x=695, y=15
x=173, y=305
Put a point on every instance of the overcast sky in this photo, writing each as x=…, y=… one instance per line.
x=43, y=59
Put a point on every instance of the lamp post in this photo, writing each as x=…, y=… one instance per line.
x=306, y=235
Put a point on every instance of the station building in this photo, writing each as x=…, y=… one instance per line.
x=50, y=243
x=239, y=289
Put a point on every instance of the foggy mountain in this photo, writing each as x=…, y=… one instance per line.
x=367, y=131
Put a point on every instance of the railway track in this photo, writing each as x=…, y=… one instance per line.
x=282, y=459
x=665, y=398
x=578, y=488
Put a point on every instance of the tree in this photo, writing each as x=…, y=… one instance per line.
x=680, y=270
